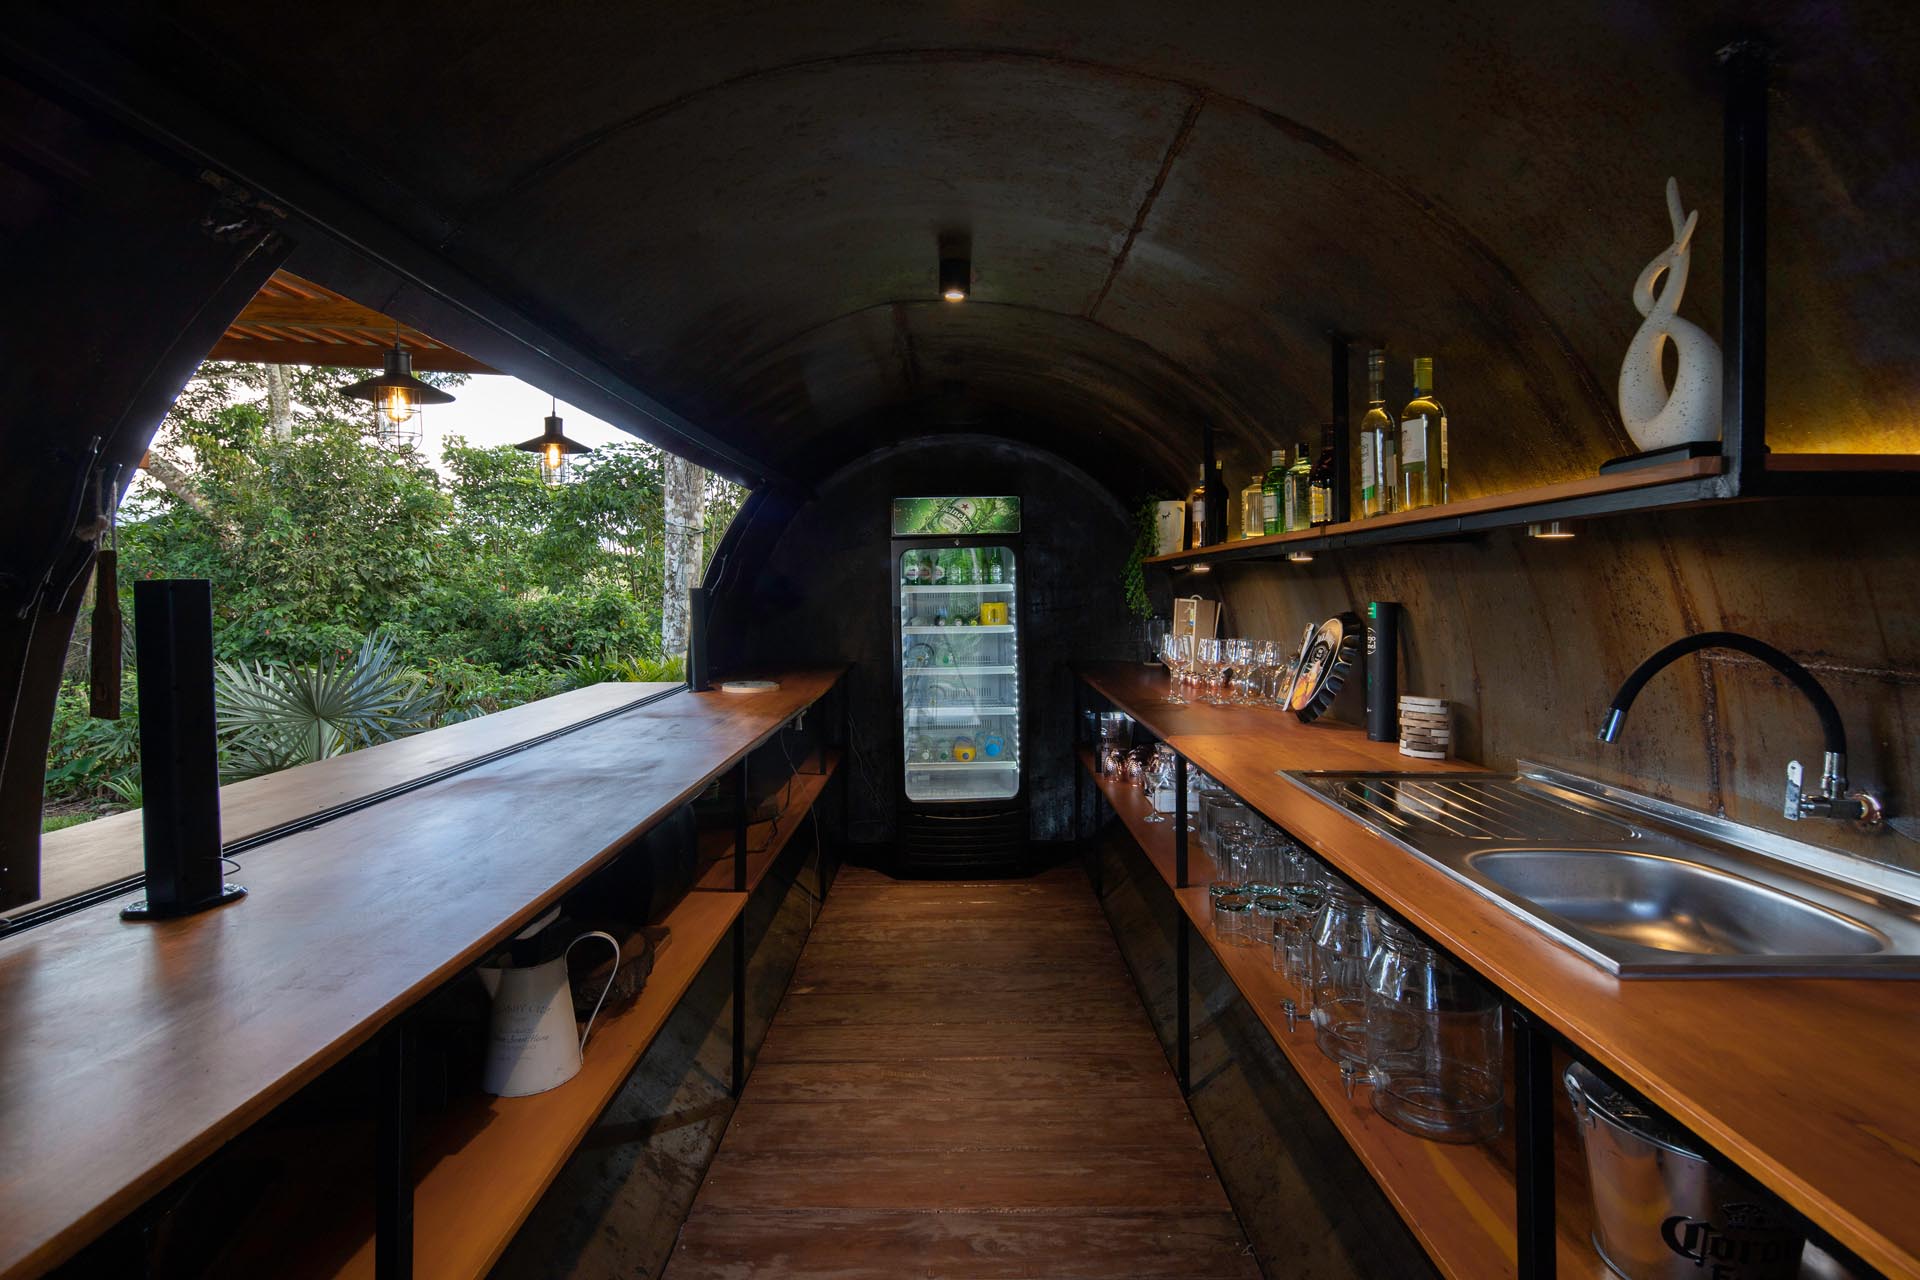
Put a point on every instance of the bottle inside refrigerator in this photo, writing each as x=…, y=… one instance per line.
x=960, y=672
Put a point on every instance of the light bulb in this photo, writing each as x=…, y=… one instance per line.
x=398, y=406
x=553, y=457
x=955, y=295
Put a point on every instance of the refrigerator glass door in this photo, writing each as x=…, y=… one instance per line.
x=960, y=678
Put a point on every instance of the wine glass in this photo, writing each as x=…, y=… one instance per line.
x=1208, y=660
x=1176, y=651
x=1158, y=784
x=1266, y=657
x=1240, y=654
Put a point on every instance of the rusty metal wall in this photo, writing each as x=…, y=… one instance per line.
x=1530, y=638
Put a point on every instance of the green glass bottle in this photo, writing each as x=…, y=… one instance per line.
x=1423, y=443
x=1274, y=489
x=1299, y=483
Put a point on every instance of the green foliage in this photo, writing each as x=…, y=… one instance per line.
x=86, y=756
x=1133, y=580
x=607, y=666
x=274, y=716
x=61, y=821
x=488, y=588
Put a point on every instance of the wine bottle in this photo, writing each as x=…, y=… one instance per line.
x=1197, y=511
x=1216, y=505
x=1320, y=481
x=1423, y=443
x=1253, y=507
x=1379, y=441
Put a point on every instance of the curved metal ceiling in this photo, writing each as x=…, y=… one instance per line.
x=737, y=206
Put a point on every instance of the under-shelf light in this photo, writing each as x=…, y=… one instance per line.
x=1557, y=530
x=1300, y=557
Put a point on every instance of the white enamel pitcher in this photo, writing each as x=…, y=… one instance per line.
x=531, y=1040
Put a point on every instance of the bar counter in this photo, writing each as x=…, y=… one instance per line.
x=136, y=1049
x=1805, y=1083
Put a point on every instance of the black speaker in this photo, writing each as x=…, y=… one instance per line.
x=699, y=675
x=179, y=756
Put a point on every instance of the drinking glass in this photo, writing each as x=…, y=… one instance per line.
x=1206, y=663
x=1293, y=949
x=1231, y=915
x=1434, y=1041
x=1267, y=657
x=1342, y=946
x=1176, y=651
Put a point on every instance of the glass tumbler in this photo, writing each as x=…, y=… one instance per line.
x=1232, y=918
x=1342, y=946
x=1293, y=955
x=1434, y=1042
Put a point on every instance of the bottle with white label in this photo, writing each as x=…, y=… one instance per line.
x=1379, y=442
x=1197, y=513
x=1423, y=443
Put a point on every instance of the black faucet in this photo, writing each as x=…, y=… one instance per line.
x=1833, y=800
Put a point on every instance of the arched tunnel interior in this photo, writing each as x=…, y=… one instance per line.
x=720, y=225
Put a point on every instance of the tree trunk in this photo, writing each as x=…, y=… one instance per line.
x=686, y=514
x=172, y=477
x=279, y=404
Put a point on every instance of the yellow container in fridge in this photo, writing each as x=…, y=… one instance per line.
x=993, y=613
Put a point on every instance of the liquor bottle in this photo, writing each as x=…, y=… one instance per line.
x=1379, y=441
x=1423, y=443
x=1299, y=485
x=994, y=571
x=1216, y=512
x=1275, y=519
x=1253, y=507
x=1320, y=481
x=1197, y=511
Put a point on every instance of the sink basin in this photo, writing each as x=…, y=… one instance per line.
x=1671, y=905
x=1640, y=887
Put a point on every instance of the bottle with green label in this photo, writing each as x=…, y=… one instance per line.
x=1423, y=443
x=1299, y=489
x=1275, y=488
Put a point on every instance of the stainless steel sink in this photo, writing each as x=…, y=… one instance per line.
x=1640, y=887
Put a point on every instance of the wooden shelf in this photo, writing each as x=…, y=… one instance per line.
x=1457, y=1199
x=1666, y=485
x=765, y=840
x=487, y=1163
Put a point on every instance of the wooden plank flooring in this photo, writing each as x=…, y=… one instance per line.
x=961, y=1082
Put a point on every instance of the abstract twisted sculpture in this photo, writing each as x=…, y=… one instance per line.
x=1656, y=417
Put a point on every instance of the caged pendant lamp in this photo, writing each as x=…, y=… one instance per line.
x=555, y=450
x=396, y=394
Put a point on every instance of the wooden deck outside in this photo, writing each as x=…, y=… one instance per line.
x=961, y=1081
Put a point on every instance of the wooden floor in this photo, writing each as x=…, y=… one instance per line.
x=961, y=1081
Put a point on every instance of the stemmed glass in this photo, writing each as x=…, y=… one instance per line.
x=1176, y=651
x=1267, y=657
x=1210, y=659
x=1240, y=655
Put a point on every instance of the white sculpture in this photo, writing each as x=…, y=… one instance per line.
x=1656, y=417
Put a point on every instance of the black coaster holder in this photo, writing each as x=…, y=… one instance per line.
x=179, y=756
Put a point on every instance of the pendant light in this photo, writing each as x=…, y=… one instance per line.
x=555, y=450
x=396, y=395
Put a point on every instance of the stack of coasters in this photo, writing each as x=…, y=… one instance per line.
x=1426, y=728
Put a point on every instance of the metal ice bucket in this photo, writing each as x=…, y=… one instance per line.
x=1661, y=1211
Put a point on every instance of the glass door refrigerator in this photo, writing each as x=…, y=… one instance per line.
x=963, y=799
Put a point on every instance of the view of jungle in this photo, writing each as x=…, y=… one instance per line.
x=361, y=592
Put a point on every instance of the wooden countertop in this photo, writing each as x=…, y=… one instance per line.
x=108, y=849
x=1805, y=1083
x=132, y=1051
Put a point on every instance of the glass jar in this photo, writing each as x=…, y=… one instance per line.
x=1433, y=1042
x=1342, y=946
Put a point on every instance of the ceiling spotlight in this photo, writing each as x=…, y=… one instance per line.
x=956, y=277
x=1557, y=529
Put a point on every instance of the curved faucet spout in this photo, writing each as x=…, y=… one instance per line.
x=1801, y=679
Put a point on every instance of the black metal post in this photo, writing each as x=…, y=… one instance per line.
x=1339, y=507
x=739, y=1076
x=393, y=1153
x=1533, y=1147
x=1743, y=324
x=1180, y=822
x=1182, y=1010
x=1074, y=738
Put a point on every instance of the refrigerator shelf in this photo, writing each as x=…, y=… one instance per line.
x=960, y=709
x=960, y=671
x=948, y=766
x=916, y=589
x=998, y=629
